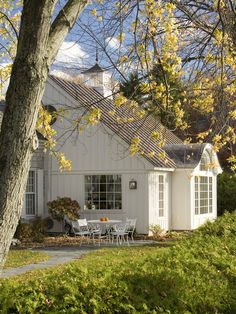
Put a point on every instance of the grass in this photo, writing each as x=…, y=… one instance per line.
x=196, y=275
x=17, y=258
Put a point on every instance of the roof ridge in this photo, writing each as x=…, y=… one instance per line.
x=141, y=127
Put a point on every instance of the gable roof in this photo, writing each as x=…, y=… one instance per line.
x=142, y=127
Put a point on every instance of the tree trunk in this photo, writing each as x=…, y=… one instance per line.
x=37, y=46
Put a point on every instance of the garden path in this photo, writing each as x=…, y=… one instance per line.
x=57, y=256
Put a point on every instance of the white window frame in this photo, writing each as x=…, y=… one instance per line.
x=115, y=194
x=33, y=210
x=203, y=195
x=205, y=161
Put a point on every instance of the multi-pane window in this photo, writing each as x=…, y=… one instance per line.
x=103, y=192
x=205, y=161
x=161, y=195
x=203, y=195
x=30, y=195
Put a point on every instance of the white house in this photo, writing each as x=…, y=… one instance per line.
x=173, y=186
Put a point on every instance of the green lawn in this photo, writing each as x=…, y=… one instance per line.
x=197, y=275
x=18, y=258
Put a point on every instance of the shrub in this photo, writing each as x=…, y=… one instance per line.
x=64, y=206
x=195, y=276
x=224, y=226
x=226, y=186
x=23, y=231
x=30, y=231
x=157, y=232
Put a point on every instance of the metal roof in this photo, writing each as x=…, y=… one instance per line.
x=185, y=156
x=141, y=127
x=95, y=68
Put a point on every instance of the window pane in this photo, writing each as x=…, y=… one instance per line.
x=203, y=195
x=88, y=188
x=30, y=195
x=103, y=179
x=88, y=179
x=110, y=188
x=103, y=188
x=117, y=179
x=110, y=179
x=118, y=188
x=103, y=191
x=96, y=179
x=118, y=197
x=117, y=205
x=30, y=204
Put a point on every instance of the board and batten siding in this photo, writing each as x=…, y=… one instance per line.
x=181, y=200
x=134, y=202
x=153, y=186
x=96, y=151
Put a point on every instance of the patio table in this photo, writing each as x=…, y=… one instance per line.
x=105, y=225
x=110, y=221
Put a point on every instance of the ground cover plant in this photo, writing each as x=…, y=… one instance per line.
x=18, y=258
x=196, y=275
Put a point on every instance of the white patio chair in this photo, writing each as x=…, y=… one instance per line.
x=80, y=228
x=97, y=232
x=120, y=232
x=131, y=228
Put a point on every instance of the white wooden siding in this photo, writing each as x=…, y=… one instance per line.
x=96, y=151
x=134, y=202
x=153, y=184
x=181, y=200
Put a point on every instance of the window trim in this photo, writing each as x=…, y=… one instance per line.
x=206, y=160
x=35, y=193
x=197, y=195
x=113, y=193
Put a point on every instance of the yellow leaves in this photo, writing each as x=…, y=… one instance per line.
x=64, y=164
x=121, y=37
x=44, y=127
x=112, y=113
x=93, y=12
x=5, y=72
x=203, y=135
x=232, y=114
x=120, y=100
x=93, y=116
x=134, y=147
x=204, y=101
x=188, y=140
x=155, y=135
x=141, y=113
x=219, y=36
x=170, y=7
x=232, y=161
x=124, y=59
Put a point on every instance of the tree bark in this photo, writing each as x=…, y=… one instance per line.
x=37, y=47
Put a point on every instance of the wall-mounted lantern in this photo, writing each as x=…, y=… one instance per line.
x=133, y=185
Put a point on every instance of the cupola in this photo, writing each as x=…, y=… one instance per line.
x=98, y=78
